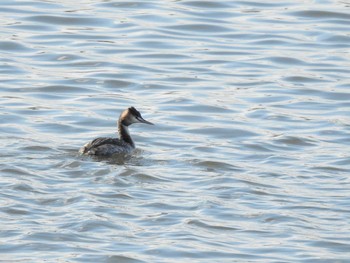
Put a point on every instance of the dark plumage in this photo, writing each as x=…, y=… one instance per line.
x=123, y=145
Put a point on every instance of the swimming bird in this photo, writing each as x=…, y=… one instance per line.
x=122, y=145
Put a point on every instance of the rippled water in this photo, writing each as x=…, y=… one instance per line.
x=249, y=160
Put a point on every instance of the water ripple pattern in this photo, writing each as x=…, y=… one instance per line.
x=249, y=160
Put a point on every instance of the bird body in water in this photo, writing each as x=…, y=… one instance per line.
x=122, y=145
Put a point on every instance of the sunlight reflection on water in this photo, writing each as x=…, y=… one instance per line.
x=249, y=157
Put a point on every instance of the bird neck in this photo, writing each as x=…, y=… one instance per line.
x=124, y=134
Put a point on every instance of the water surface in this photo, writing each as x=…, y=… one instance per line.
x=249, y=159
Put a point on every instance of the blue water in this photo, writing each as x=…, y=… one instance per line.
x=249, y=159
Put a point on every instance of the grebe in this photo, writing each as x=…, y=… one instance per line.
x=123, y=145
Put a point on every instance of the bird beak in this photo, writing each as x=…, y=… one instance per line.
x=142, y=120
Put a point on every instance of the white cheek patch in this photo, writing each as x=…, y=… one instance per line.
x=134, y=120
